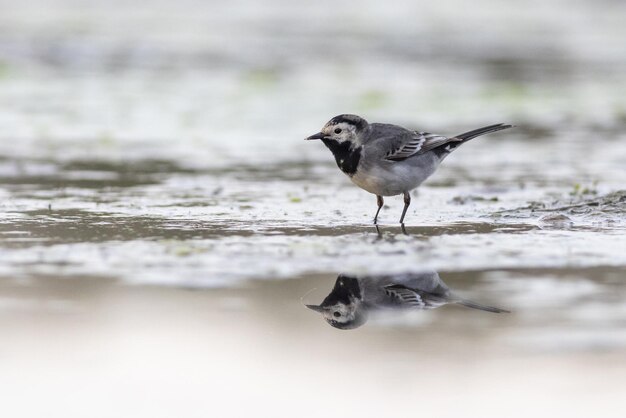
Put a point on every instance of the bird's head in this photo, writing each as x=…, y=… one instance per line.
x=343, y=307
x=343, y=128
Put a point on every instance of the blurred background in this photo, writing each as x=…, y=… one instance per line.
x=162, y=217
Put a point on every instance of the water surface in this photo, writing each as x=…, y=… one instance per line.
x=163, y=222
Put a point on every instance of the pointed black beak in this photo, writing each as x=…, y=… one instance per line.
x=316, y=308
x=318, y=135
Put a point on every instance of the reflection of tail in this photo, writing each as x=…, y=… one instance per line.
x=474, y=305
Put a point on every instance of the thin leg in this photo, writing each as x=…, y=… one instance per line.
x=407, y=202
x=380, y=201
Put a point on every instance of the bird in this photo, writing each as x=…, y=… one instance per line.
x=386, y=159
x=353, y=298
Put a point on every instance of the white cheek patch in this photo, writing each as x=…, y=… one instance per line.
x=347, y=133
x=342, y=309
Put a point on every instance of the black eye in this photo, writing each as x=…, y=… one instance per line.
x=337, y=130
x=336, y=314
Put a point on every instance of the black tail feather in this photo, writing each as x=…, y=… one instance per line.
x=482, y=131
x=474, y=305
x=443, y=150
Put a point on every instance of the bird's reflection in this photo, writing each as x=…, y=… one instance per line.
x=353, y=298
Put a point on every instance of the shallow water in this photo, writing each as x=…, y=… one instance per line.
x=163, y=222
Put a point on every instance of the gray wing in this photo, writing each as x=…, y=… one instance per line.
x=414, y=297
x=404, y=296
x=394, y=143
x=415, y=144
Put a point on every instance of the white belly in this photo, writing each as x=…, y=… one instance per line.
x=394, y=178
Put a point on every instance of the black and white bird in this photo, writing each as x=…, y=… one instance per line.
x=388, y=160
x=353, y=299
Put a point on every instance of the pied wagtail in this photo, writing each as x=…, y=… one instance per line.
x=389, y=160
